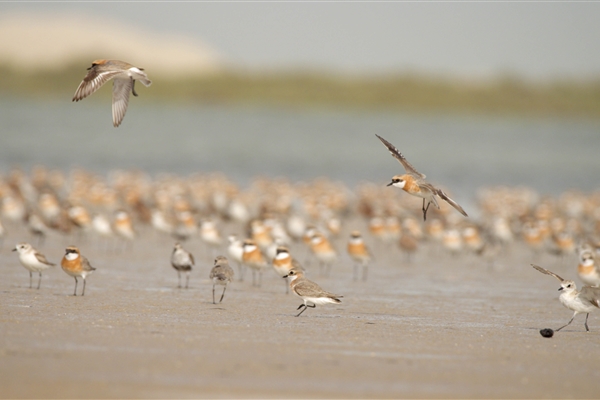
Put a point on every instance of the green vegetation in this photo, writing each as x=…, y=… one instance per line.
x=402, y=92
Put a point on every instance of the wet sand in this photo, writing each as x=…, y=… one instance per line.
x=441, y=326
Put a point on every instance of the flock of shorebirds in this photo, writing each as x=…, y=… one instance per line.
x=275, y=213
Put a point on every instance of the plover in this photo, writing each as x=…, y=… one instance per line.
x=32, y=260
x=310, y=292
x=221, y=274
x=183, y=261
x=76, y=265
x=124, y=76
x=413, y=182
x=584, y=301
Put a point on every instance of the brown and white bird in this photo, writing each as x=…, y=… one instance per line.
x=584, y=301
x=588, y=270
x=413, y=182
x=76, y=265
x=221, y=274
x=310, y=292
x=32, y=260
x=359, y=253
x=283, y=263
x=252, y=257
x=183, y=261
x=324, y=251
x=124, y=76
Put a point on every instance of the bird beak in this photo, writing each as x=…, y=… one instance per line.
x=284, y=276
x=390, y=184
x=560, y=288
x=15, y=249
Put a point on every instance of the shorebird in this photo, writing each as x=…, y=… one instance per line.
x=360, y=254
x=182, y=260
x=221, y=274
x=253, y=258
x=124, y=76
x=413, y=182
x=32, y=260
x=584, y=301
x=76, y=265
x=588, y=270
x=310, y=292
x=283, y=263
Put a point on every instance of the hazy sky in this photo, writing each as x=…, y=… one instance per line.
x=467, y=38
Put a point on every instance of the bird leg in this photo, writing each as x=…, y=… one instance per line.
x=567, y=323
x=223, y=294
x=40, y=281
x=75, y=291
x=586, y=325
x=214, y=294
x=29, y=279
x=83, y=291
x=187, y=279
x=133, y=87
x=303, y=306
x=179, y=279
x=425, y=210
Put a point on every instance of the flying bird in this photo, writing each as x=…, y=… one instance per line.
x=413, y=182
x=124, y=76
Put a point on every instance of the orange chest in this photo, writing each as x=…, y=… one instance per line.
x=586, y=269
x=253, y=256
x=358, y=249
x=282, y=263
x=323, y=246
x=71, y=265
x=411, y=186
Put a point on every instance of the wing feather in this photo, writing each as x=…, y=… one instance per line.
x=120, y=99
x=448, y=200
x=545, y=271
x=42, y=258
x=92, y=82
x=398, y=156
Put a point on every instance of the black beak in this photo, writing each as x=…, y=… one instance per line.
x=15, y=249
x=560, y=288
x=284, y=276
x=390, y=184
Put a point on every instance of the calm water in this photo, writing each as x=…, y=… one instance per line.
x=462, y=153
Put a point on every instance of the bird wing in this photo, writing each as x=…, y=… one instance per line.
x=120, y=99
x=42, y=258
x=545, y=271
x=85, y=264
x=398, y=156
x=92, y=82
x=448, y=200
x=591, y=294
x=310, y=289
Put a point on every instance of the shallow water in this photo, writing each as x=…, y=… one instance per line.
x=459, y=152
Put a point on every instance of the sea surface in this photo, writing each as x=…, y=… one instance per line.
x=462, y=153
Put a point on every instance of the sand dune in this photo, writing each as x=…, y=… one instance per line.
x=52, y=41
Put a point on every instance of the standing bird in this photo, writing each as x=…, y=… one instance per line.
x=360, y=254
x=413, y=182
x=221, y=274
x=310, y=292
x=253, y=258
x=584, y=301
x=76, y=265
x=124, y=75
x=32, y=260
x=182, y=260
x=283, y=263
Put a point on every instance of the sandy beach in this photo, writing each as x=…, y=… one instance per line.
x=440, y=326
